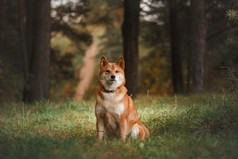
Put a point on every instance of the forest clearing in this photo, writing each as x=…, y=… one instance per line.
x=180, y=66
x=199, y=126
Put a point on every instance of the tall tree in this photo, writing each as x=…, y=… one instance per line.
x=197, y=46
x=130, y=29
x=10, y=51
x=177, y=76
x=37, y=55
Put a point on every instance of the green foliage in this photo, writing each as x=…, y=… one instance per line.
x=181, y=127
x=155, y=75
x=221, y=35
x=75, y=25
x=110, y=15
x=155, y=67
x=70, y=39
x=65, y=58
x=104, y=12
x=155, y=36
x=232, y=14
x=112, y=43
x=61, y=73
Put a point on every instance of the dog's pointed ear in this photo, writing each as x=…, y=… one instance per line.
x=121, y=62
x=103, y=61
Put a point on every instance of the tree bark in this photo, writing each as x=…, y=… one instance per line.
x=3, y=8
x=130, y=31
x=38, y=44
x=197, y=47
x=177, y=76
x=11, y=15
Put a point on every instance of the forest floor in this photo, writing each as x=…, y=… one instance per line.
x=199, y=126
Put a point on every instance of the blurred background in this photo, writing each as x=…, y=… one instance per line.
x=51, y=49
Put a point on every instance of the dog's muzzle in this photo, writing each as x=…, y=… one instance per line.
x=112, y=79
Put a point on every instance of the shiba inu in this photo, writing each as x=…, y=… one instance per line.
x=115, y=111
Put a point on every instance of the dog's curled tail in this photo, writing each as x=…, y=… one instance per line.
x=147, y=133
x=143, y=132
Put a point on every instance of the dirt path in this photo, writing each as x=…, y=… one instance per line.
x=87, y=71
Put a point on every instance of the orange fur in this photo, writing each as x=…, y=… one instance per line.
x=115, y=111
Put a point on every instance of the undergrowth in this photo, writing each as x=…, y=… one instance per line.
x=199, y=126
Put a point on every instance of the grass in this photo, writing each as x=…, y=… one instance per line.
x=202, y=126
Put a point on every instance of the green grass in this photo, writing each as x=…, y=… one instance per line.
x=204, y=126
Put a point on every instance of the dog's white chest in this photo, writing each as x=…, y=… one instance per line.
x=111, y=103
x=117, y=109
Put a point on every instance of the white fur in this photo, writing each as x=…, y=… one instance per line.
x=114, y=108
x=105, y=79
x=112, y=97
x=110, y=103
x=135, y=131
x=117, y=109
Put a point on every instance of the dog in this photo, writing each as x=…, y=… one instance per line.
x=115, y=111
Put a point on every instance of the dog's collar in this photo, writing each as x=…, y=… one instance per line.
x=108, y=91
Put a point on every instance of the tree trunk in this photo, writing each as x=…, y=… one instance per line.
x=3, y=21
x=11, y=15
x=177, y=76
x=38, y=42
x=197, y=47
x=130, y=31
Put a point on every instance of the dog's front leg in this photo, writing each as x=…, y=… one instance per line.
x=123, y=128
x=100, y=129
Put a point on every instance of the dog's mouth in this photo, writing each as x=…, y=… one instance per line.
x=110, y=81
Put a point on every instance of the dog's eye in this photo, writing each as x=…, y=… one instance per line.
x=108, y=71
x=117, y=71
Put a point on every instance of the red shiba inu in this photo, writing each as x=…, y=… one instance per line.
x=115, y=111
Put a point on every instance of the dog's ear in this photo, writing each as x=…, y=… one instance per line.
x=103, y=61
x=121, y=62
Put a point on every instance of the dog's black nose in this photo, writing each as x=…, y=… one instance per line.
x=113, y=76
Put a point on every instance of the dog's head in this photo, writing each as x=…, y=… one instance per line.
x=111, y=75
